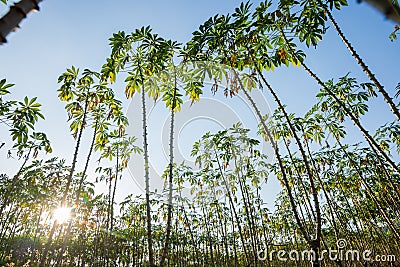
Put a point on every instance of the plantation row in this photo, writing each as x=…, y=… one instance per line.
x=335, y=194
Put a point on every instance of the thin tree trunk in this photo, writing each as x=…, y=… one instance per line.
x=365, y=68
x=14, y=182
x=33, y=246
x=279, y=158
x=106, y=245
x=114, y=191
x=232, y=205
x=315, y=244
x=147, y=179
x=194, y=241
x=304, y=194
x=371, y=141
x=170, y=176
x=69, y=181
x=247, y=206
x=328, y=200
x=78, y=195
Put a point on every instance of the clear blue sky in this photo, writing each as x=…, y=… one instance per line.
x=66, y=33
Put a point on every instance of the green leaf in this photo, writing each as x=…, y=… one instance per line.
x=398, y=90
x=393, y=35
x=4, y=86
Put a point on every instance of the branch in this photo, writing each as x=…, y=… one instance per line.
x=387, y=7
x=15, y=15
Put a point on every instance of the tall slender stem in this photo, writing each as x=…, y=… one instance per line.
x=147, y=176
x=170, y=174
x=364, y=66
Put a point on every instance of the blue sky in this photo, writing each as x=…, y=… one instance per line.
x=66, y=33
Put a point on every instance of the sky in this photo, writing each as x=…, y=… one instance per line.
x=66, y=33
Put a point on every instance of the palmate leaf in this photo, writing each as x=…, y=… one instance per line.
x=4, y=86
x=65, y=94
x=168, y=98
x=130, y=90
x=249, y=81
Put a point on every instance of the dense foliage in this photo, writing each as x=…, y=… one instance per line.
x=333, y=189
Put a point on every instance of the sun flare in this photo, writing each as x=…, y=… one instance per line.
x=62, y=214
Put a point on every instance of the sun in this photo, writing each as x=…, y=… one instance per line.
x=62, y=214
